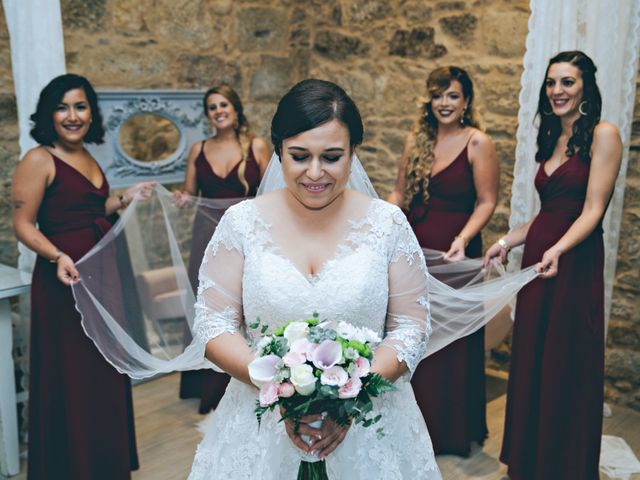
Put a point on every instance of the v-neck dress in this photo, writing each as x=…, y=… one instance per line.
x=208, y=385
x=80, y=408
x=377, y=279
x=553, y=420
x=455, y=412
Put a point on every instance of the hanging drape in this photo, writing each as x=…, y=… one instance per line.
x=37, y=55
x=609, y=32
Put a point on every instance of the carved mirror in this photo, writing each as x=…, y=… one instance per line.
x=148, y=134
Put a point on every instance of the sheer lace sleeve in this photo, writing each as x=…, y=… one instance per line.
x=408, y=323
x=218, y=306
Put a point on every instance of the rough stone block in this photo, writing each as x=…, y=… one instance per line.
x=271, y=80
x=622, y=334
x=337, y=46
x=622, y=364
x=367, y=11
x=417, y=42
x=261, y=29
x=416, y=11
x=8, y=109
x=203, y=71
x=84, y=14
x=460, y=26
x=450, y=6
x=504, y=32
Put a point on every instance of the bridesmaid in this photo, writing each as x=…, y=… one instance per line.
x=448, y=183
x=228, y=165
x=555, y=395
x=80, y=409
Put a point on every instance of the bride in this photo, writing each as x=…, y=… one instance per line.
x=314, y=246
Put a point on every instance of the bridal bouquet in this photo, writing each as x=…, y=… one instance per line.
x=311, y=367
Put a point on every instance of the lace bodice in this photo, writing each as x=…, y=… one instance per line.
x=377, y=279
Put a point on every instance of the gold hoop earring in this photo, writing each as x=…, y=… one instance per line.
x=544, y=112
x=580, y=108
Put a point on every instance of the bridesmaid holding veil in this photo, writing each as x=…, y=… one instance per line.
x=80, y=408
x=229, y=165
x=553, y=420
x=448, y=183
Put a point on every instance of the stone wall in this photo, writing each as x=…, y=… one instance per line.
x=380, y=51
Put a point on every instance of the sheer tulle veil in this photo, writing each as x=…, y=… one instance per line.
x=136, y=293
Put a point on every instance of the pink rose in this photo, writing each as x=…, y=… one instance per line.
x=304, y=346
x=363, y=367
x=335, y=376
x=268, y=394
x=294, y=358
x=285, y=390
x=351, y=389
x=327, y=354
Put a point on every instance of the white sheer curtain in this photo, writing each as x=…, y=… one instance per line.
x=609, y=32
x=37, y=55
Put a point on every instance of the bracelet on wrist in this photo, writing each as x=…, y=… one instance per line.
x=56, y=259
x=123, y=202
x=463, y=238
x=503, y=244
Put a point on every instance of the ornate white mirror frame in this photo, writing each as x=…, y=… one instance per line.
x=182, y=107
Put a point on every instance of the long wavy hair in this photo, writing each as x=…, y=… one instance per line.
x=590, y=110
x=426, y=129
x=241, y=127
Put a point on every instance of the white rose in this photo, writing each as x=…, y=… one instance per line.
x=303, y=379
x=295, y=331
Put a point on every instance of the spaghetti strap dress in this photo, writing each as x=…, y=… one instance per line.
x=81, y=422
x=455, y=410
x=209, y=385
x=555, y=395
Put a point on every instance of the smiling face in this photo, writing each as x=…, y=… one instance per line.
x=316, y=164
x=449, y=105
x=221, y=112
x=564, y=89
x=72, y=117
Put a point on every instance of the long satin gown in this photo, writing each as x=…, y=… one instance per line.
x=80, y=408
x=209, y=385
x=554, y=403
x=455, y=410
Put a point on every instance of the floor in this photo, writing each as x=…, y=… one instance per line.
x=167, y=434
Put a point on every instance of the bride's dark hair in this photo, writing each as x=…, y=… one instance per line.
x=308, y=105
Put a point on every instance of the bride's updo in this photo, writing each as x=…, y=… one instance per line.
x=310, y=104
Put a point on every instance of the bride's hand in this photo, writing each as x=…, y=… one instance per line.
x=332, y=435
x=304, y=429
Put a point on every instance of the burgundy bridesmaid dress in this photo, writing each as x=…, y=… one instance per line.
x=555, y=395
x=450, y=385
x=209, y=385
x=80, y=408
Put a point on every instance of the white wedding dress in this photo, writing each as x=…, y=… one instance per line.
x=377, y=279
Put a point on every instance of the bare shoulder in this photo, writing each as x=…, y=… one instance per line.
x=37, y=161
x=258, y=143
x=196, y=147
x=606, y=132
x=479, y=139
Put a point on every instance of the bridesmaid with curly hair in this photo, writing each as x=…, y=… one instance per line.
x=448, y=185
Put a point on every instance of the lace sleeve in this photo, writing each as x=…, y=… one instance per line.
x=408, y=323
x=218, y=307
